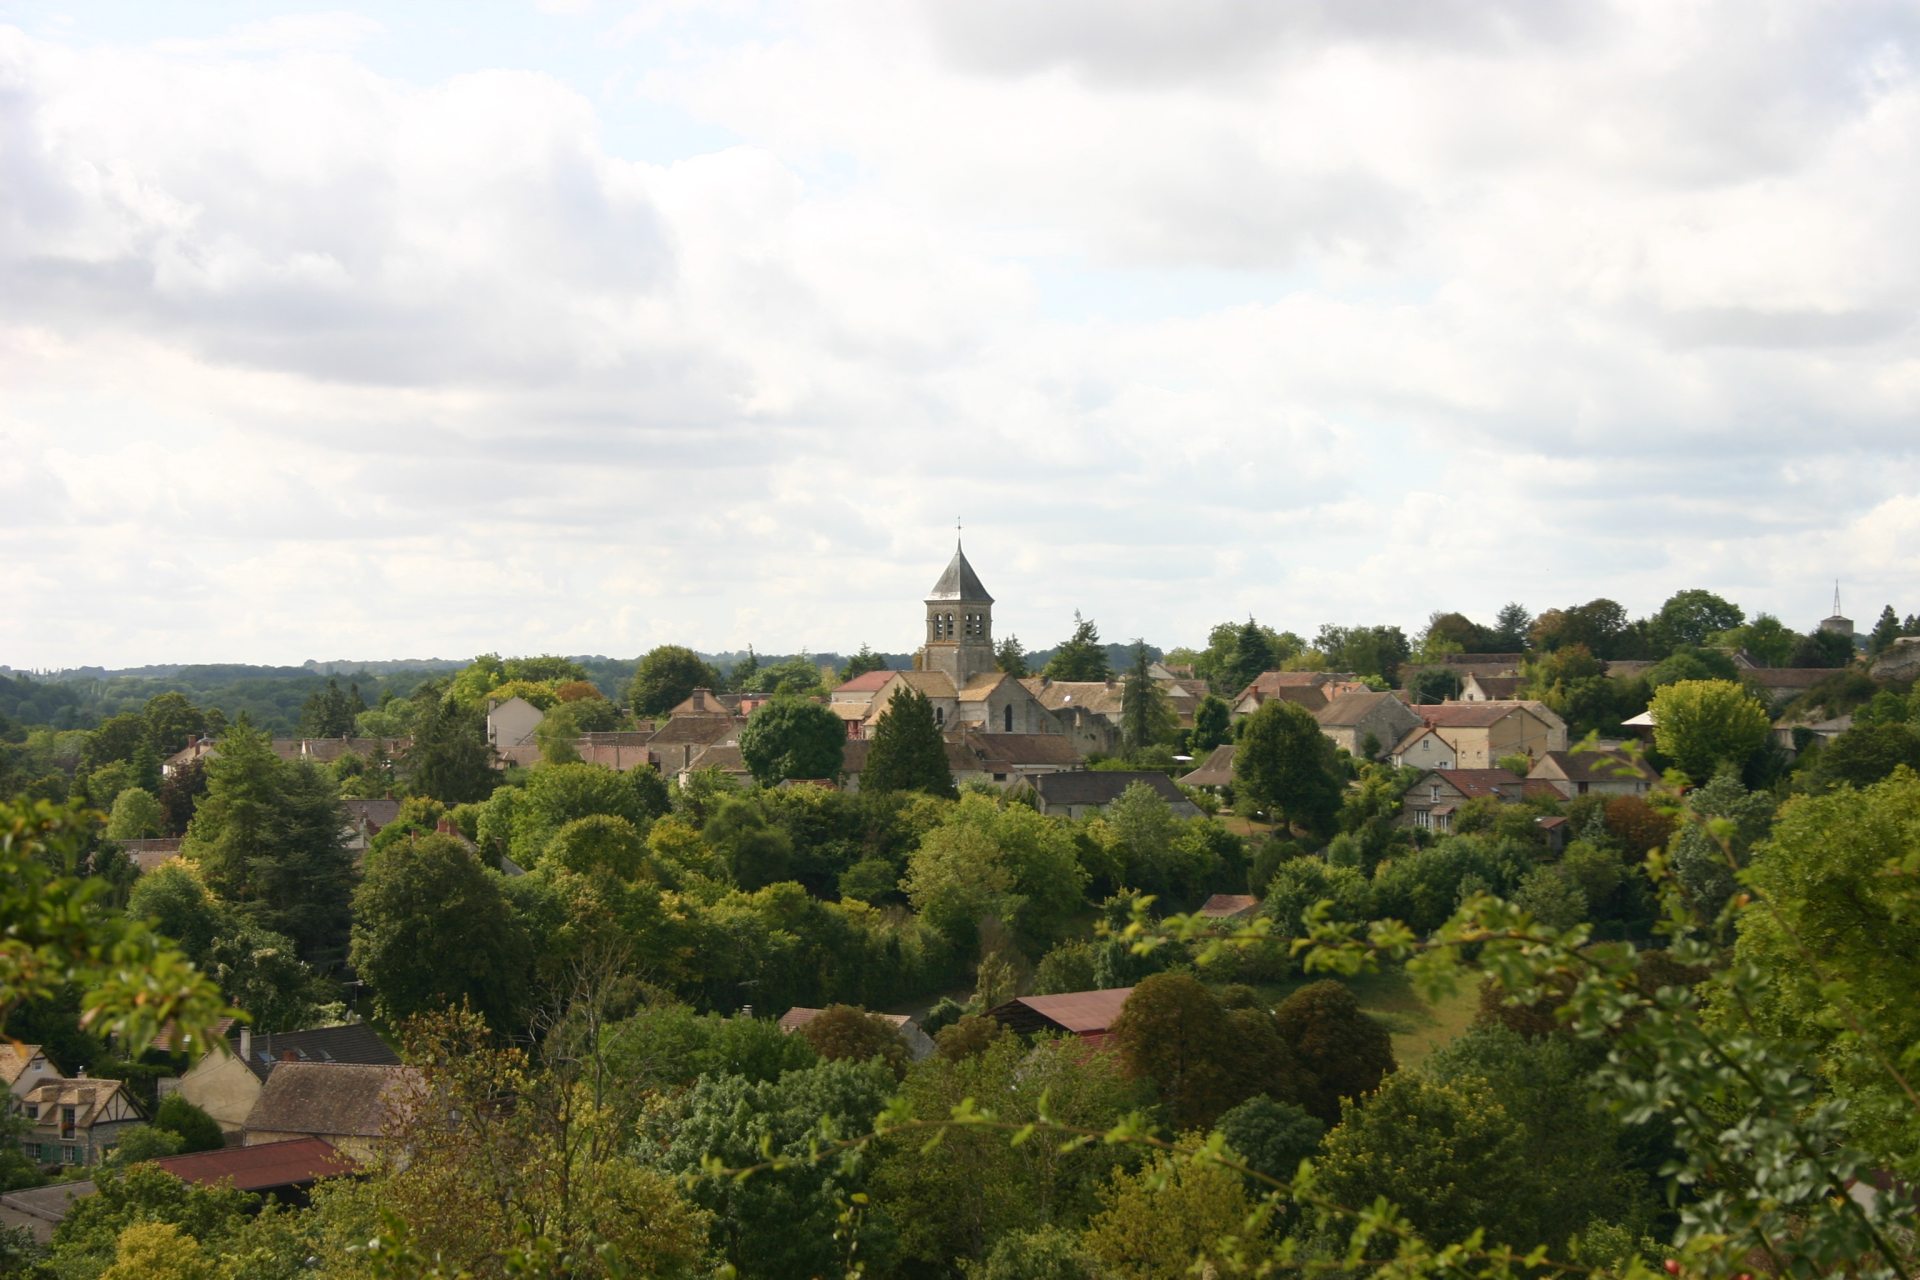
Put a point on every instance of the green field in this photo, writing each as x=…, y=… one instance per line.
x=1418, y=1028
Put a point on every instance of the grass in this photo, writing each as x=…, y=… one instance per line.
x=1417, y=1028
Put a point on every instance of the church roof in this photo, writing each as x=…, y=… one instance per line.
x=959, y=582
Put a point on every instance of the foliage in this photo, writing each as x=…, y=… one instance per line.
x=841, y=1032
x=790, y=738
x=432, y=930
x=1689, y=618
x=1700, y=723
x=1010, y=657
x=1164, y=1219
x=1008, y=863
x=1080, y=656
x=1367, y=651
x=1212, y=723
x=1342, y=1051
x=330, y=712
x=196, y=1130
x=1146, y=716
x=1286, y=765
x=449, y=758
x=1203, y=1058
x=1272, y=1137
x=907, y=752
x=85, y=1242
x=136, y=815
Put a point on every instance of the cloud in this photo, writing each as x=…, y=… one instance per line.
x=1324, y=312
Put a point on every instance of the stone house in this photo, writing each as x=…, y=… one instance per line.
x=511, y=723
x=353, y=1106
x=74, y=1121
x=1351, y=719
x=1600, y=773
x=1431, y=802
x=1424, y=749
x=227, y=1082
x=1215, y=772
x=1311, y=689
x=1075, y=795
x=1482, y=733
x=1489, y=688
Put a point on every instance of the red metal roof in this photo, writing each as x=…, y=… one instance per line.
x=271, y=1164
x=1081, y=1012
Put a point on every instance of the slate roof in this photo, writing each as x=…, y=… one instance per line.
x=1215, y=771
x=1102, y=786
x=959, y=582
x=354, y=1044
x=1350, y=709
x=1592, y=766
x=1022, y=748
x=1080, y=1012
x=378, y=813
x=292, y=1162
x=329, y=1098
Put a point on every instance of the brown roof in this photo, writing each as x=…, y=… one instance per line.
x=798, y=1016
x=867, y=682
x=1103, y=786
x=727, y=759
x=934, y=684
x=329, y=1098
x=1081, y=1012
x=1467, y=715
x=1229, y=906
x=695, y=729
x=981, y=687
x=376, y=813
x=1501, y=784
x=1305, y=695
x=1100, y=696
x=151, y=854
x=618, y=756
x=1788, y=677
x=705, y=702
x=1500, y=688
x=85, y=1094
x=14, y=1060
x=1215, y=771
x=290, y=1163
x=1592, y=766
x=1350, y=709
x=1022, y=748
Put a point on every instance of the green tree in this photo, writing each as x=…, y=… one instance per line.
x=907, y=753
x=1885, y=631
x=432, y=928
x=1339, y=1047
x=862, y=662
x=172, y=720
x=1699, y=723
x=1286, y=765
x=1367, y=651
x=1146, y=717
x=789, y=738
x=1434, y=685
x=1010, y=656
x=197, y=1130
x=755, y=852
x=1212, y=723
x=1689, y=617
x=1272, y=1137
x=84, y=1243
x=667, y=676
x=1511, y=627
x=841, y=1032
x=1080, y=656
x=331, y=712
x=136, y=816
x=1252, y=655
x=449, y=758
x=1163, y=1220
x=1008, y=863
x=1204, y=1059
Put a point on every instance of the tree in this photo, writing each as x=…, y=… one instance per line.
x=432, y=929
x=197, y=1130
x=1252, y=655
x=1080, y=656
x=136, y=816
x=1212, y=723
x=1689, y=617
x=1008, y=863
x=331, y=712
x=1286, y=765
x=1272, y=1137
x=450, y=759
x=1342, y=1049
x=862, y=662
x=1821, y=649
x=158, y=1251
x=795, y=677
x=1511, y=627
x=1162, y=1220
x=172, y=722
x=1010, y=656
x=1146, y=717
x=85, y=1240
x=1599, y=624
x=755, y=852
x=1204, y=1059
x=665, y=677
x=1433, y=685
x=841, y=1032
x=1699, y=723
x=180, y=794
x=793, y=738
x=907, y=752
x=1885, y=631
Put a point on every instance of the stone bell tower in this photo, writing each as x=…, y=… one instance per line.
x=959, y=624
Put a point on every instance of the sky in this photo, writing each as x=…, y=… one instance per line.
x=435, y=329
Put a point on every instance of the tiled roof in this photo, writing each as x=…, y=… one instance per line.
x=959, y=582
x=798, y=1016
x=377, y=812
x=1466, y=715
x=705, y=702
x=981, y=687
x=1592, y=766
x=1023, y=748
x=329, y=1098
x=1101, y=786
x=1305, y=695
x=1081, y=1012
x=934, y=684
x=1498, y=688
x=151, y=854
x=14, y=1060
x=1351, y=708
x=1098, y=696
x=85, y=1094
x=1501, y=784
x=1229, y=906
x=289, y=1163
x=726, y=758
x=696, y=729
x=866, y=682
x=354, y=1043
x=1215, y=771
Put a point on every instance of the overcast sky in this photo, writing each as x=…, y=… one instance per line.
x=431, y=329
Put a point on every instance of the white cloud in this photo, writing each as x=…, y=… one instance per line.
x=1324, y=312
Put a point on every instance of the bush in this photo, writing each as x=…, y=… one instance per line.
x=198, y=1131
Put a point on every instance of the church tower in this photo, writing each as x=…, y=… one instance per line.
x=959, y=624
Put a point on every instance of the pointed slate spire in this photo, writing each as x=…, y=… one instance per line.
x=959, y=582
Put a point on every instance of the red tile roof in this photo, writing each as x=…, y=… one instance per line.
x=869, y=682
x=271, y=1164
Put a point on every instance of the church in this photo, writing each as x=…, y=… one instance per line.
x=954, y=669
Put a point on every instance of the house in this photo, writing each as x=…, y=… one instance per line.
x=1424, y=749
x=1466, y=666
x=1215, y=772
x=152, y=853
x=364, y=820
x=77, y=1120
x=1087, y=1014
x=919, y=1043
x=353, y=1106
x=1777, y=686
x=511, y=723
x=1602, y=773
x=674, y=744
x=617, y=749
x=724, y=757
x=23, y=1066
x=1432, y=801
x=1229, y=906
x=38, y=1210
x=1075, y=795
x=1483, y=733
x=1007, y=759
x=1366, y=724
x=197, y=748
x=283, y=1170
x=1311, y=689
x=1489, y=688
x=227, y=1083
x=1794, y=735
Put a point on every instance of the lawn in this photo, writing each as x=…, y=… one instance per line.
x=1418, y=1028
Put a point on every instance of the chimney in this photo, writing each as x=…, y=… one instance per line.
x=80, y=1074
x=246, y=1044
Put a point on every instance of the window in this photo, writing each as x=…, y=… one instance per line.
x=940, y=716
x=1422, y=819
x=67, y=1119
x=69, y=1155
x=1006, y=719
x=1434, y=795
